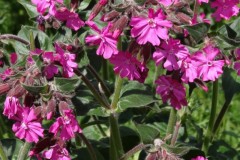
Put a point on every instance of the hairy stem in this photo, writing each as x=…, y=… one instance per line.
x=175, y=133
x=171, y=121
x=105, y=69
x=116, y=95
x=133, y=151
x=99, y=126
x=14, y=37
x=208, y=137
x=23, y=153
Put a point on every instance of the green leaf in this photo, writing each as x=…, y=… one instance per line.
x=230, y=83
x=66, y=84
x=180, y=151
x=198, y=31
x=135, y=94
x=11, y=147
x=147, y=133
x=31, y=9
x=140, y=2
x=38, y=61
x=36, y=90
x=84, y=4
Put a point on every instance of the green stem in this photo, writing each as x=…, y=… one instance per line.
x=93, y=90
x=175, y=133
x=171, y=121
x=116, y=148
x=89, y=146
x=156, y=74
x=219, y=119
x=2, y=153
x=208, y=137
x=134, y=150
x=118, y=87
x=32, y=42
x=23, y=153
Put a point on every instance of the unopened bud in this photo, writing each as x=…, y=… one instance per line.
x=63, y=106
x=17, y=91
x=110, y=16
x=4, y=88
x=119, y=26
x=183, y=18
x=96, y=9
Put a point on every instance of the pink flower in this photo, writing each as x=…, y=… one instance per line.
x=107, y=43
x=56, y=153
x=225, y=9
x=199, y=19
x=199, y=158
x=151, y=28
x=167, y=3
x=170, y=52
x=208, y=68
x=44, y=5
x=11, y=106
x=27, y=126
x=72, y=19
x=67, y=125
x=13, y=58
x=200, y=1
x=188, y=70
x=8, y=72
x=50, y=69
x=237, y=63
x=66, y=60
x=128, y=66
x=172, y=90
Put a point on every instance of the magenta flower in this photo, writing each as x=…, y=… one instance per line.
x=67, y=125
x=66, y=60
x=56, y=153
x=199, y=158
x=72, y=19
x=8, y=72
x=128, y=66
x=46, y=5
x=171, y=90
x=11, y=106
x=27, y=126
x=13, y=58
x=50, y=69
x=208, y=68
x=150, y=29
x=237, y=63
x=107, y=43
x=170, y=52
x=225, y=9
x=204, y=1
x=167, y=3
x=188, y=70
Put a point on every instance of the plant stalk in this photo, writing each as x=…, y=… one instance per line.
x=23, y=153
x=209, y=134
x=175, y=133
x=116, y=95
x=14, y=37
x=89, y=147
x=171, y=121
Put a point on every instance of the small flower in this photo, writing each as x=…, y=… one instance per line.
x=66, y=60
x=72, y=19
x=188, y=70
x=208, y=68
x=50, y=69
x=170, y=52
x=107, y=43
x=56, y=153
x=67, y=125
x=172, y=90
x=128, y=66
x=204, y=1
x=225, y=9
x=11, y=106
x=44, y=5
x=27, y=126
x=150, y=29
x=167, y=3
x=199, y=158
x=13, y=58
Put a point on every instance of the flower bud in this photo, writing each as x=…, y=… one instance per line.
x=119, y=26
x=17, y=91
x=96, y=9
x=63, y=106
x=110, y=16
x=4, y=87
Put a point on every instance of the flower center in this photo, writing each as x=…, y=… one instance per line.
x=151, y=23
x=67, y=120
x=209, y=63
x=24, y=126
